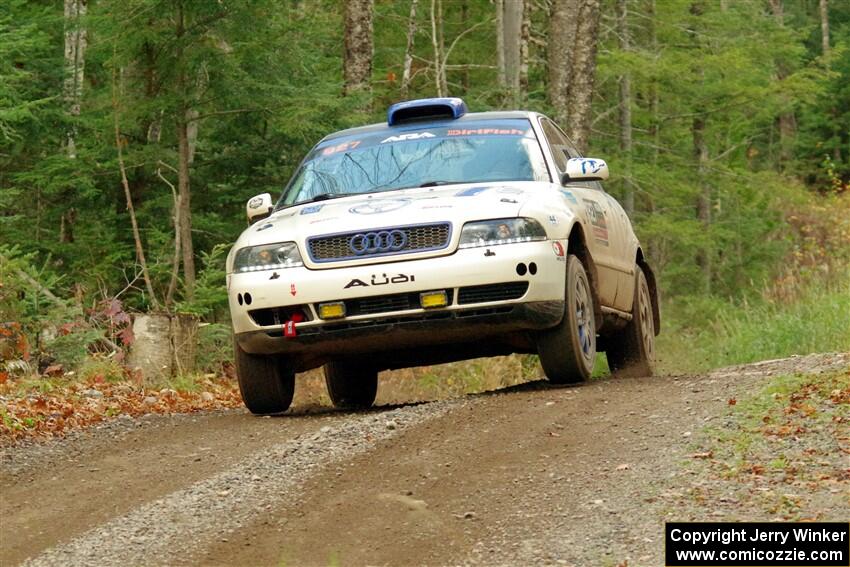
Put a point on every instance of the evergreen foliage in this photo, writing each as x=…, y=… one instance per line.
x=262, y=81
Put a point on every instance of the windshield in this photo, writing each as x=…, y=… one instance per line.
x=481, y=151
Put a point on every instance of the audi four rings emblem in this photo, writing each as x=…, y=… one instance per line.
x=377, y=242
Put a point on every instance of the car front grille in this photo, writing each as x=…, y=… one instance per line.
x=386, y=303
x=491, y=292
x=418, y=238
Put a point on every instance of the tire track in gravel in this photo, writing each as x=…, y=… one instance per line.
x=184, y=522
x=532, y=475
x=511, y=478
x=55, y=491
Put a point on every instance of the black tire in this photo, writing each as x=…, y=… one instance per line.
x=631, y=351
x=351, y=385
x=568, y=351
x=267, y=383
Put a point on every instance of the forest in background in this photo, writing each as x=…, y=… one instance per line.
x=132, y=132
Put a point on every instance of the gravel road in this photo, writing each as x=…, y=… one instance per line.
x=528, y=475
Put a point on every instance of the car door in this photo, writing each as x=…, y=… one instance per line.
x=623, y=244
x=591, y=203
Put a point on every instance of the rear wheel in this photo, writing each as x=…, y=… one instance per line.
x=267, y=383
x=632, y=350
x=351, y=385
x=568, y=351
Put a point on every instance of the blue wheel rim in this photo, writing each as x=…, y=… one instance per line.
x=584, y=319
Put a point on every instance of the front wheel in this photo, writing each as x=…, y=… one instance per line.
x=632, y=350
x=568, y=351
x=267, y=383
x=351, y=385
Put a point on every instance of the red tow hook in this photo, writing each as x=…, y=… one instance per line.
x=289, y=330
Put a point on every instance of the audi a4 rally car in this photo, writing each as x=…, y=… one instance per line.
x=437, y=236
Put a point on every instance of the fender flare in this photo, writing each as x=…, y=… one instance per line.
x=640, y=260
x=577, y=245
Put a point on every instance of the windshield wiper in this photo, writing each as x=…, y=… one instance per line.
x=426, y=184
x=321, y=197
x=329, y=196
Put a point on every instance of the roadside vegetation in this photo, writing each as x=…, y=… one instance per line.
x=738, y=332
x=38, y=406
x=804, y=307
x=779, y=453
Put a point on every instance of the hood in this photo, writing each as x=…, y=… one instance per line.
x=456, y=204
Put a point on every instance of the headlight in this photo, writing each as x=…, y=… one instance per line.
x=267, y=257
x=501, y=231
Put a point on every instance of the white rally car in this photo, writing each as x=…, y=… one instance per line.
x=439, y=236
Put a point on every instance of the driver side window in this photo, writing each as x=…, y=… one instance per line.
x=561, y=148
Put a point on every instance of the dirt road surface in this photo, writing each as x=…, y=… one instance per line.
x=529, y=475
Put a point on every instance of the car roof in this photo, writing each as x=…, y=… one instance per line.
x=469, y=117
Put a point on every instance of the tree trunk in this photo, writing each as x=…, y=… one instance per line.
x=786, y=121
x=654, y=126
x=703, y=200
x=440, y=81
x=512, y=39
x=175, y=257
x=525, y=39
x=66, y=226
x=183, y=158
x=184, y=342
x=357, y=66
x=500, y=42
x=75, y=62
x=625, y=110
x=408, y=52
x=703, y=205
x=191, y=133
x=151, y=352
x=583, y=74
x=563, y=21
x=165, y=345
x=192, y=122
x=824, y=31
x=464, y=18
x=441, y=43
x=72, y=91
x=185, y=207
x=154, y=132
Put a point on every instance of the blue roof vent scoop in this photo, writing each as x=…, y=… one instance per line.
x=424, y=108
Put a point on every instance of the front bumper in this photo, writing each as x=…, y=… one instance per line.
x=428, y=338
x=454, y=272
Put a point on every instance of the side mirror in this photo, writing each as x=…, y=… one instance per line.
x=585, y=169
x=259, y=207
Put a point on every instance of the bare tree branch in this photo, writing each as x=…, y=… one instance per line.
x=140, y=252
